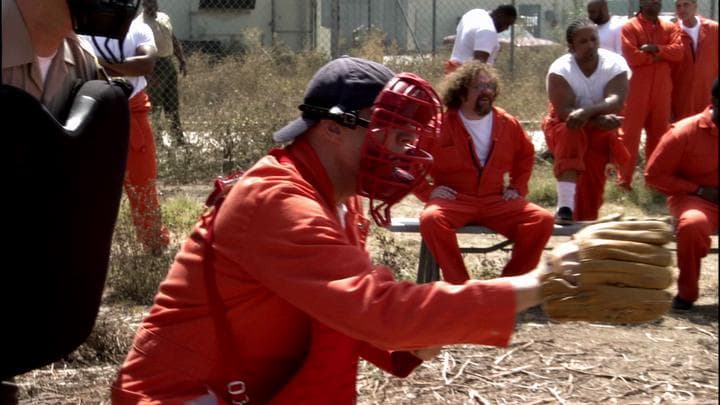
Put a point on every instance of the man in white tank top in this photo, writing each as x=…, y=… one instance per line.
x=476, y=37
x=586, y=88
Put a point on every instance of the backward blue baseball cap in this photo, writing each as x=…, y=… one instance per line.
x=347, y=82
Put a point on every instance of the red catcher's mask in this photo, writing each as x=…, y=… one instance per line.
x=409, y=105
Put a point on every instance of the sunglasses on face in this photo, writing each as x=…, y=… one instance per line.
x=484, y=86
x=349, y=119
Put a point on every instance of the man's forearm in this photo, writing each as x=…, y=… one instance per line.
x=132, y=66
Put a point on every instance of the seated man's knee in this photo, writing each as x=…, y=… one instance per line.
x=546, y=221
x=693, y=224
x=429, y=216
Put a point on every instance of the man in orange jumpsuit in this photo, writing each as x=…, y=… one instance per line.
x=483, y=162
x=649, y=45
x=685, y=167
x=586, y=88
x=141, y=173
x=273, y=298
x=693, y=76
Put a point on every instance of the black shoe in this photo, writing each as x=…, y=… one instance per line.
x=680, y=304
x=563, y=216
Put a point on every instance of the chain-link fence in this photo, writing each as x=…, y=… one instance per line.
x=231, y=46
x=335, y=26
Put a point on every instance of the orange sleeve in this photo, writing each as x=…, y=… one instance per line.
x=422, y=191
x=631, y=46
x=397, y=363
x=673, y=50
x=663, y=167
x=301, y=253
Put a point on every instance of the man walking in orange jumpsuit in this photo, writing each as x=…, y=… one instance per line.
x=685, y=167
x=693, y=76
x=649, y=45
x=483, y=162
x=141, y=174
x=586, y=88
x=273, y=297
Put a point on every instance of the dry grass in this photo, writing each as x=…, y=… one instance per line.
x=230, y=114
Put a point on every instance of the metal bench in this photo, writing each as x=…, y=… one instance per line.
x=428, y=269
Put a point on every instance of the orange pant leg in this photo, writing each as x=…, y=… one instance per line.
x=141, y=176
x=567, y=146
x=585, y=151
x=527, y=225
x=696, y=219
x=636, y=112
x=438, y=222
x=658, y=120
x=591, y=182
x=450, y=66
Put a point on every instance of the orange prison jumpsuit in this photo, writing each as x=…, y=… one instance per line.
x=685, y=159
x=302, y=296
x=648, y=102
x=450, y=66
x=141, y=176
x=693, y=76
x=585, y=150
x=479, y=199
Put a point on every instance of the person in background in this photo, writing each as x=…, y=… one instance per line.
x=693, y=76
x=41, y=54
x=608, y=26
x=477, y=35
x=163, y=81
x=649, y=44
x=273, y=297
x=684, y=166
x=586, y=88
x=138, y=55
x=483, y=161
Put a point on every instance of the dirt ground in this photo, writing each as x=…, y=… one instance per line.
x=670, y=361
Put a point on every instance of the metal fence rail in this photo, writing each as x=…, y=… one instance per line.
x=406, y=28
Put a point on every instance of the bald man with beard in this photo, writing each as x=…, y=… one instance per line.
x=608, y=27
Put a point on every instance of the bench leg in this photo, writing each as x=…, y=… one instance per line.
x=428, y=269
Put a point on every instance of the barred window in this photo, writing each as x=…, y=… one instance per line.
x=227, y=4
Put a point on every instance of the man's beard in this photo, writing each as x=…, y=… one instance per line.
x=483, y=108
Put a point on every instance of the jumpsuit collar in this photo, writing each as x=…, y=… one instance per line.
x=307, y=162
x=705, y=120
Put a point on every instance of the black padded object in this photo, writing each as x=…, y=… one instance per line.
x=61, y=196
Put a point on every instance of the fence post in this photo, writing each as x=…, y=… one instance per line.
x=512, y=47
x=272, y=23
x=369, y=17
x=434, y=25
x=334, y=28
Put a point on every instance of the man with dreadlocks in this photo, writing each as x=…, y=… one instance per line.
x=586, y=88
